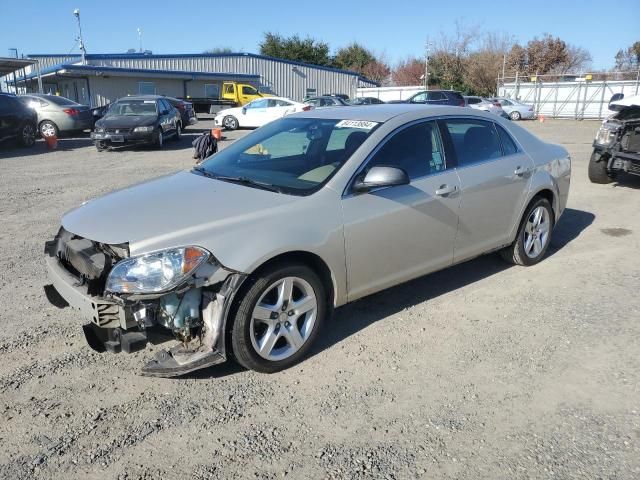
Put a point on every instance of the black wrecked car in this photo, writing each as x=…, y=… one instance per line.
x=139, y=120
x=17, y=121
x=616, y=147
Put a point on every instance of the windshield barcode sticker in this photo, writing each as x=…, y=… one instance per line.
x=363, y=124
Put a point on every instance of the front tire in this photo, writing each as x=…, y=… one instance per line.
x=598, y=169
x=278, y=318
x=159, y=142
x=534, y=235
x=230, y=122
x=515, y=115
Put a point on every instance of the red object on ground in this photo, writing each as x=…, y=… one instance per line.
x=51, y=141
x=217, y=133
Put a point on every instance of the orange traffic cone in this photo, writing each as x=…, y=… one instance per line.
x=51, y=139
x=541, y=118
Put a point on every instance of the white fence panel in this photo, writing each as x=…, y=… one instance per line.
x=572, y=99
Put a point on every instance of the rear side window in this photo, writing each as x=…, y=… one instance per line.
x=473, y=140
x=508, y=145
x=435, y=96
x=472, y=101
x=416, y=149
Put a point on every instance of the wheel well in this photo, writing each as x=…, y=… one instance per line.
x=548, y=195
x=312, y=261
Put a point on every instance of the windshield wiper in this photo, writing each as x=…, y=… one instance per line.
x=241, y=180
x=248, y=182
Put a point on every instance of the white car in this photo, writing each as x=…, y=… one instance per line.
x=483, y=104
x=258, y=112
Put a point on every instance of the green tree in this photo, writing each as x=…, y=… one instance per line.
x=353, y=57
x=306, y=50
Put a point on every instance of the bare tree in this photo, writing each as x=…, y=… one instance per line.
x=408, y=72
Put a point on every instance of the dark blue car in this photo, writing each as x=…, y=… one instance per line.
x=435, y=97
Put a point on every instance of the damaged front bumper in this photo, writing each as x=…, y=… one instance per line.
x=124, y=322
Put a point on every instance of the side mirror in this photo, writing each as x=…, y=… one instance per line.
x=614, y=98
x=244, y=110
x=381, y=177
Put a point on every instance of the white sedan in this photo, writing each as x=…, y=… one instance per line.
x=258, y=112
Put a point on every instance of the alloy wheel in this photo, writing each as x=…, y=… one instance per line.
x=283, y=318
x=536, y=232
x=47, y=129
x=28, y=135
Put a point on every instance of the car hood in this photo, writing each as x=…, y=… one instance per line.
x=173, y=210
x=126, y=121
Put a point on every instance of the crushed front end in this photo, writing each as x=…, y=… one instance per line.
x=618, y=142
x=183, y=291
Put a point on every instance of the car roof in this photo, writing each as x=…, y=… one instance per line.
x=385, y=111
x=142, y=97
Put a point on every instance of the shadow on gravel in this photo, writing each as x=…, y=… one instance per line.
x=360, y=314
x=11, y=150
x=569, y=227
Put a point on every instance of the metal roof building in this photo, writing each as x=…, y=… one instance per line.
x=106, y=77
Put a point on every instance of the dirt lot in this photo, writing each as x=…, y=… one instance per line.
x=480, y=371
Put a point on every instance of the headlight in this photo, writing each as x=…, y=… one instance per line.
x=143, y=129
x=155, y=272
x=99, y=130
x=605, y=136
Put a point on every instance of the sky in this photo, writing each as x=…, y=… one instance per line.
x=397, y=29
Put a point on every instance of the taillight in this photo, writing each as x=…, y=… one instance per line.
x=496, y=104
x=71, y=111
x=306, y=108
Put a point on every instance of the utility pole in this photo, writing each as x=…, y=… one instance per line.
x=83, y=51
x=15, y=78
x=426, y=65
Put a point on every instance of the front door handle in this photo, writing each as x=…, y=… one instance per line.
x=445, y=190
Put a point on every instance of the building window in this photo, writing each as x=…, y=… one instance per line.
x=310, y=92
x=211, y=90
x=146, y=88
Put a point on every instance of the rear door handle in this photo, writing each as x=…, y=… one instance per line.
x=445, y=190
x=519, y=172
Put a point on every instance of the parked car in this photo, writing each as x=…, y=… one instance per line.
x=17, y=121
x=435, y=97
x=326, y=101
x=248, y=253
x=57, y=114
x=484, y=104
x=138, y=120
x=258, y=113
x=366, y=101
x=187, y=113
x=98, y=112
x=616, y=147
x=515, y=109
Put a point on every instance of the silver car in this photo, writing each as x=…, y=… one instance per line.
x=58, y=114
x=515, y=109
x=248, y=253
x=484, y=104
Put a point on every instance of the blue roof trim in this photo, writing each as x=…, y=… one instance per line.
x=108, y=56
x=91, y=68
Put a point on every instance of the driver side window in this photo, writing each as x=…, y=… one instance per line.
x=416, y=149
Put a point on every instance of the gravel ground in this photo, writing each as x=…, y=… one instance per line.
x=481, y=371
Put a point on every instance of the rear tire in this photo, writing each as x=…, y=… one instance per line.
x=531, y=235
x=27, y=135
x=230, y=122
x=48, y=128
x=515, y=115
x=598, y=169
x=178, y=134
x=291, y=332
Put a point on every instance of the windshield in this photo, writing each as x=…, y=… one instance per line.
x=294, y=155
x=132, y=107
